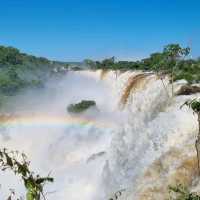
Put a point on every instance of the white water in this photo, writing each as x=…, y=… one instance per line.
x=148, y=126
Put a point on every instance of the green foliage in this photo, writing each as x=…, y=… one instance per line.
x=158, y=60
x=19, y=70
x=175, y=51
x=180, y=192
x=193, y=104
x=190, y=78
x=10, y=55
x=80, y=107
x=10, y=81
x=89, y=63
x=108, y=62
x=18, y=163
x=172, y=57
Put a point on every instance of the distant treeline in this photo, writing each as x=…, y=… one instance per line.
x=19, y=70
x=173, y=57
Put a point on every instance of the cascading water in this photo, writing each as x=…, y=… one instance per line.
x=96, y=154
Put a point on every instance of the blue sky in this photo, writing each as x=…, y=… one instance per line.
x=72, y=30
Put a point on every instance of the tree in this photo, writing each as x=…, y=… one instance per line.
x=10, y=55
x=156, y=58
x=108, y=62
x=195, y=106
x=172, y=53
x=90, y=63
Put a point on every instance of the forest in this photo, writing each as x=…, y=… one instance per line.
x=19, y=70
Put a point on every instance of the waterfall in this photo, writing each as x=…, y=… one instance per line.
x=96, y=154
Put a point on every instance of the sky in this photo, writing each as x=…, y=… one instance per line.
x=73, y=30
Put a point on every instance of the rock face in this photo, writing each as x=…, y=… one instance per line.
x=95, y=156
x=188, y=90
x=177, y=166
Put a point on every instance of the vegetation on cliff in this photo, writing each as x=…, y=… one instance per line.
x=81, y=106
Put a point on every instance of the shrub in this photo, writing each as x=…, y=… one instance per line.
x=80, y=107
x=179, y=192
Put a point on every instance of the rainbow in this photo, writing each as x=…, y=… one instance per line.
x=50, y=121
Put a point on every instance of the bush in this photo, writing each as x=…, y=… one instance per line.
x=186, y=76
x=80, y=107
x=180, y=192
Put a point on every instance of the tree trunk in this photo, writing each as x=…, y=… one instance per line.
x=172, y=74
x=197, y=144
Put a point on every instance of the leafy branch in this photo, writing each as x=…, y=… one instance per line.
x=18, y=163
